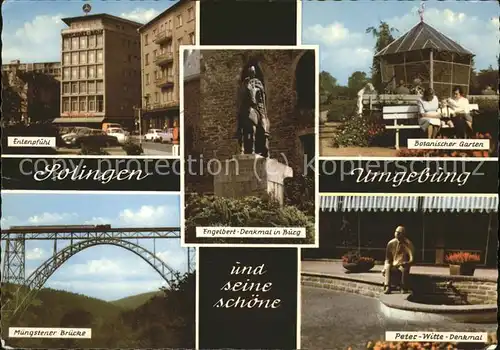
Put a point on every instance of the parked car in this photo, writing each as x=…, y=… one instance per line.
x=122, y=135
x=159, y=135
x=89, y=137
x=106, y=126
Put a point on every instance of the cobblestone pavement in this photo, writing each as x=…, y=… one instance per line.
x=334, y=320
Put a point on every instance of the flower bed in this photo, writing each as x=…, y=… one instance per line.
x=360, y=131
x=353, y=262
x=463, y=263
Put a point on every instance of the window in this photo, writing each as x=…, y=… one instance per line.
x=83, y=42
x=100, y=87
x=83, y=105
x=99, y=71
x=190, y=14
x=91, y=72
x=170, y=71
x=91, y=56
x=99, y=39
x=157, y=97
x=146, y=39
x=91, y=105
x=170, y=95
x=66, y=73
x=83, y=88
x=100, y=104
x=179, y=43
x=74, y=105
x=92, y=41
x=74, y=43
x=74, y=88
x=179, y=20
x=156, y=75
x=154, y=32
x=170, y=24
x=67, y=44
x=147, y=59
x=74, y=73
x=67, y=59
x=155, y=53
x=83, y=72
x=161, y=28
x=83, y=57
x=99, y=55
x=91, y=87
x=66, y=105
x=147, y=79
x=191, y=39
x=66, y=88
x=74, y=58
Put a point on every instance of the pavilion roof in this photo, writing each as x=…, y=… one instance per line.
x=420, y=37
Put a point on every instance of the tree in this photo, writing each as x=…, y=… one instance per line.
x=327, y=84
x=11, y=101
x=356, y=82
x=383, y=34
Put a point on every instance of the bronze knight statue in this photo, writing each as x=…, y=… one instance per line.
x=253, y=125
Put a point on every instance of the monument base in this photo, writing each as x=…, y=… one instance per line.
x=251, y=175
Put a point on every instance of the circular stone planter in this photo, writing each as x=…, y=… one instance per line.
x=462, y=270
x=358, y=267
x=399, y=307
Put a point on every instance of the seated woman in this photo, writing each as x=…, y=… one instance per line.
x=458, y=107
x=430, y=118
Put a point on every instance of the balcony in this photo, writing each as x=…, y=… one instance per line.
x=163, y=36
x=164, y=58
x=165, y=81
x=162, y=105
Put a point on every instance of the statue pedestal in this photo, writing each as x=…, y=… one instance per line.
x=251, y=175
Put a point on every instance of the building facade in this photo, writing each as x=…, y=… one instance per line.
x=211, y=90
x=30, y=91
x=100, y=71
x=160, y=42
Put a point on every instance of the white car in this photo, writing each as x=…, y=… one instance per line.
x=159, y=135
x=122, y=135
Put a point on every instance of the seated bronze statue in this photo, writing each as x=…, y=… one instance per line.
x=398, y=261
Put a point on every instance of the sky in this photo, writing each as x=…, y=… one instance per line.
x=104, y=272
x=338, y=27
x=32, y=29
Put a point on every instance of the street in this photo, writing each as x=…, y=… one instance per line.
x=336, y=320
x=150, y=149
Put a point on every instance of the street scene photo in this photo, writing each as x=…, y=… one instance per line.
x=249, y=144
x=402, y=263
x=93, y=78
x=110, y=264
x=406, y=79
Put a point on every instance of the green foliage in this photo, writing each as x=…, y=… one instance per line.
x=384, y=35
x=299, y=192
x=166, y=320
x=356, y=82
x=359, y=131
x=133, y=149
x=134, y=301
x=202, y=210
x=338, y=110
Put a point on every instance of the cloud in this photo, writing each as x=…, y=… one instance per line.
x=39, y=219
x=141, y=15
x=344, y=51
x=37, y=40
x=36, y=254
x=51, y=218
x=146, y=215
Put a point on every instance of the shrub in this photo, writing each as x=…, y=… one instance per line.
x=212, y=211
x=354, y=258
x=359, y=131
x=340, y=109
x=132, y=149
x=460, y=258
x=299, y=192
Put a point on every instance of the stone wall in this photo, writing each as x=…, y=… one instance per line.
x=214, y=127
x=477, y=290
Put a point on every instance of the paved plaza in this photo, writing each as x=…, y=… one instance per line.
x=336, y=320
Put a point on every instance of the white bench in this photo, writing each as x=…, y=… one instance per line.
x=410, y=114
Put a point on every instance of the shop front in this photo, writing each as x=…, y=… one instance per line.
x=437, y=225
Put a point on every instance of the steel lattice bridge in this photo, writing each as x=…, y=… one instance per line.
x=13, y=244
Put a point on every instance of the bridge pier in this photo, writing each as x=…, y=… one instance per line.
x=14, y=262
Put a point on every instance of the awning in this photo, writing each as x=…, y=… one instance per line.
x=380, y=203
x=329, y=203
x=460, y=204
x=78, y=120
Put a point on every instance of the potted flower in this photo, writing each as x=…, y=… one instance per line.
x=353, y=262
x=462, y=263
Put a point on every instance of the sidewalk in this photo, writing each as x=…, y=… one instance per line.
x=334, y=268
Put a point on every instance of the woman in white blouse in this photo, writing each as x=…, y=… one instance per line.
x=458, y=107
